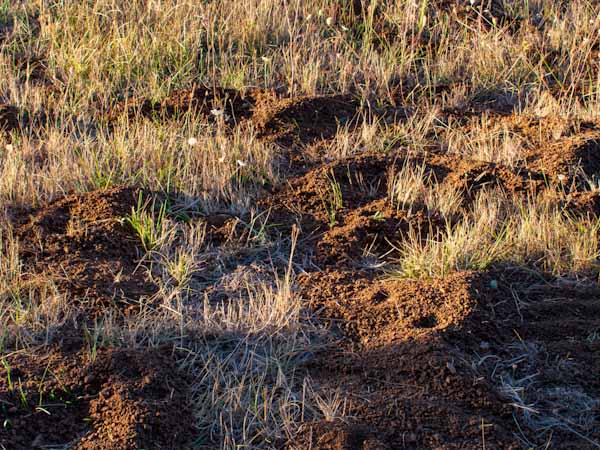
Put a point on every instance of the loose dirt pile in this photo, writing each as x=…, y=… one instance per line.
x=468, y=361
x=84, y=399
x=81, y=243
x=78, y=392
x=227, y=104
x=453, y=362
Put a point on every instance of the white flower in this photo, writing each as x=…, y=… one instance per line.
x=265, y=59
x=329, y=21
x=241, y=163
x=217, y=112
x=192, y=141
x=561, y=177
x=344, y=28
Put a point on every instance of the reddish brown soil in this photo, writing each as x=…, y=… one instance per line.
x=304, y=120
x=571, y=157
x=80, y=243
x=556, y=146
x=72, y=393
x=584, y=203
x=408, y=352
x=407, y=384
x=234, y=104
x=294, y=123
x=115, y=399
x=366, y=222
x=424, y=363
x=472, y=176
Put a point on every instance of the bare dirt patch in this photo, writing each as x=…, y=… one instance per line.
x=570, y=158
x=212, y=102
x=305, y=120
x=377, y=312
x=407, y=385
x=112, y=399
x=80, y=243
x=455, y=362
x=345, y=206
x=472, y=176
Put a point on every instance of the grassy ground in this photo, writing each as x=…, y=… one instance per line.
x=472, y=129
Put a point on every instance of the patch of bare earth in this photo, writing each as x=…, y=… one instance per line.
x=78, y=391
x=87, y=399
x=500, y=359
x=212, y=102
x=81, y=243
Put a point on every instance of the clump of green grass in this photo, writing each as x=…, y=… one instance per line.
x=148, y=221
x=333, y=200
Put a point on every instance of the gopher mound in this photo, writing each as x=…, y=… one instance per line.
x=88, y=399
x=81, y=244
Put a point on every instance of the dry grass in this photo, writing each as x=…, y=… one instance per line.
x=245, y=349
x=508, y=230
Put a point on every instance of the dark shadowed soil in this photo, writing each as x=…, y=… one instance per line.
x=109, y=399
x=453, y=362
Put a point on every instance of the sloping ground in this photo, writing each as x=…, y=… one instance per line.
x=501, y=359
x=210, y=102
x=81, y=244
x=409, y=387
x=453, y=362
x=109, y=399
x=77, y=392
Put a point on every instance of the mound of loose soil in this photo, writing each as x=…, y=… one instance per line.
x=112, y=399
x=434, y=363
x=472, y=176
x=584, y=203
x=570, y=157
x=229, y=104
x=363, y=219
x=304, y=120
x=346, y=207
x=80, y=243
x=375, y=312
x=360, y=180
x=369, y=230
x=408, y=387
